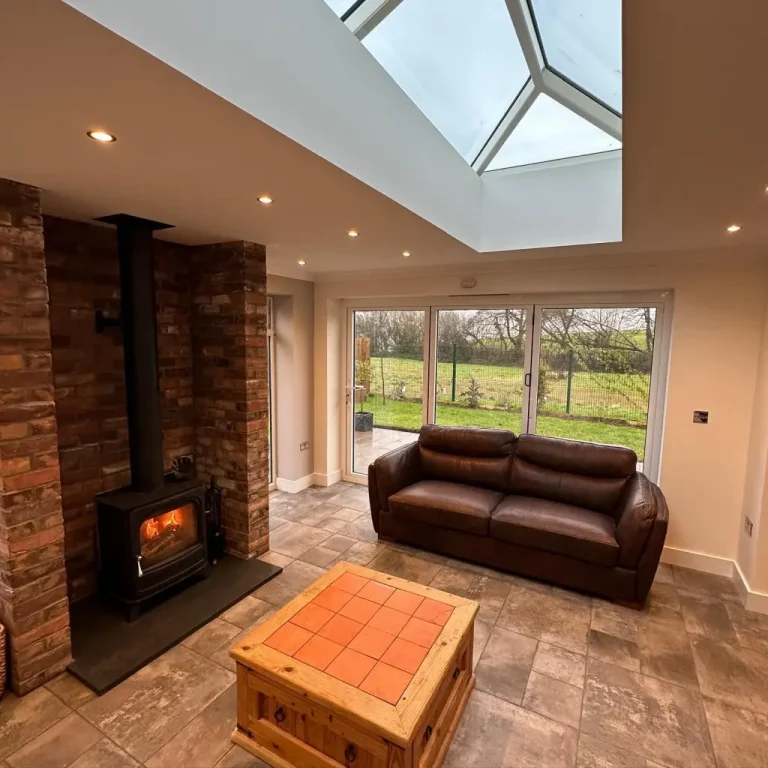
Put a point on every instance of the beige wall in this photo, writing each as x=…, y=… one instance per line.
x=719, y=302
x=293, y=302
x=329, y=325
x=753, y=550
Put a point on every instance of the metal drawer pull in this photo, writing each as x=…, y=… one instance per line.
x=350, y=753
x=279, y=715
x=428, y=733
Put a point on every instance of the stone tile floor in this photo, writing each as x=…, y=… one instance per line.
x=562, y=679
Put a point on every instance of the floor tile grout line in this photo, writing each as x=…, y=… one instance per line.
x=47, y=728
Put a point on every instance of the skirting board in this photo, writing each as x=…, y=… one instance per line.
x=698, y=561
x=326, y=480
x=720, y=566
x=294, y=486
x=753, y=601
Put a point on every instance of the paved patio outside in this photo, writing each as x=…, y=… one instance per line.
x=377, y=442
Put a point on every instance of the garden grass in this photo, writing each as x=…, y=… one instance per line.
x=406, y=415
x=604, y=395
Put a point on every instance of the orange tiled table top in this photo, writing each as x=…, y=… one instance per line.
x=362, y=629
x=370, y=635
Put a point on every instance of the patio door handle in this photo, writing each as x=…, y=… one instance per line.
x=527, y=380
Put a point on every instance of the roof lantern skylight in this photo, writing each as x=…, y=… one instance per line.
x=506, y=82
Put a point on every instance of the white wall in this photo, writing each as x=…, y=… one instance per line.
x=571, y=201
x=719, y=301
x=293, y=305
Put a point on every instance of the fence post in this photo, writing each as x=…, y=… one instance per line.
x=570, y=379
x=453, y=377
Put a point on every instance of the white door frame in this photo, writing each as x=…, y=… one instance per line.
x=348, y=400
x=527, y=308
x=272, y=393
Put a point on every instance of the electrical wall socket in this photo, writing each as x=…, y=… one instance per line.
x=748, y=525
x=304, y=446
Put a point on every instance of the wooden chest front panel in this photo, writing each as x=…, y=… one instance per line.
x=287, y=724
x=439, y=716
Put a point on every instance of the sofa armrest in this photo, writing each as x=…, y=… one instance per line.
x=649, y=559
x=390, y=473
x=640, y=504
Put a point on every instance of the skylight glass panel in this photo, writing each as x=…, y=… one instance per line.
x=549, y=131
x=582, y=41
x=340, y=7
x=458, y=60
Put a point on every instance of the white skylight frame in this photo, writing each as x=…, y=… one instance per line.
x=365, y=15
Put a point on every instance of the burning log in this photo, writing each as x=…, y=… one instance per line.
x=167, y=539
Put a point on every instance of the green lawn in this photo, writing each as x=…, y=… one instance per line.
x=606, y=395
x=406, y=415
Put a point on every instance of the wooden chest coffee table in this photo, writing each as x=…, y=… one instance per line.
x=362, y=670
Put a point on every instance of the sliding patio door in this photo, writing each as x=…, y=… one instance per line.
x=481, y=361
x=594, y=370
x=580, y=372
x=385, y=403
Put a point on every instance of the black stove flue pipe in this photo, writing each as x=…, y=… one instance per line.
x=139, y=326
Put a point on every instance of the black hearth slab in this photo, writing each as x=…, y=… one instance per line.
x=107, y=649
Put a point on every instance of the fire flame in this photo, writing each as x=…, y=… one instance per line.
x=153, y=527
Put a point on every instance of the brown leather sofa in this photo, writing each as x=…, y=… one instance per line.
x=571, y=513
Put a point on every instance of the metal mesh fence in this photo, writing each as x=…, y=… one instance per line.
x=601, y=384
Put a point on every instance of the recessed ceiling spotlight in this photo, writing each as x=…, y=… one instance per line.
x=733, y=228
x=407, y=254
x=265, y=200
x=102, y=136
x=301, y=262
x=353, y=233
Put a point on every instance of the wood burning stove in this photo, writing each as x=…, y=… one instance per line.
x=152, y=534
x=150, y=541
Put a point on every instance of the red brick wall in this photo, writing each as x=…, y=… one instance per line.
x=89, y=379
x=63, y=427
x=229, y=340
x=33, y=589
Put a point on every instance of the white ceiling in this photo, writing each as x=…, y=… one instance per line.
x=694, y=158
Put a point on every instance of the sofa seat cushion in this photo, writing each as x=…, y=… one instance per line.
x=555, y=527
x=446, y=505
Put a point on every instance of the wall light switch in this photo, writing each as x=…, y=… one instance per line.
x=701, y=417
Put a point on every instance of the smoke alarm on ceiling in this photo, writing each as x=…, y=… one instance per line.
x=468, y=282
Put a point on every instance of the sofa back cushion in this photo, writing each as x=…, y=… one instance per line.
x=571, y=472
x=481, y=457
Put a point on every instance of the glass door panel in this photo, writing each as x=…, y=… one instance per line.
x=386, y=402
x=480, y=368
x=594, y=374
